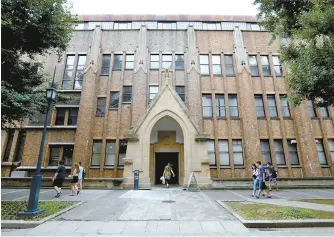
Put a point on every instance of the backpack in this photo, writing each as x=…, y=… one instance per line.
x=83, y=173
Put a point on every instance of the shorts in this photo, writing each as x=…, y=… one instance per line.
x=263, y=185
x=273, y=180
x=58, y=182
x=79, y=181
x=167, y=177
x=74, y=180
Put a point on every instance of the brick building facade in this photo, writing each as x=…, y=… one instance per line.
x=206, y=93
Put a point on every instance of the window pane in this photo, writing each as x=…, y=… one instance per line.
x=278, y=70
x=122, y=152
x=204, y=69
x=229, y=70
x=167, y=58
x=331, y=148
x=215, y=59
x=266, y=70
x=293, y=155
x=154, y=65
x=216, y=69
x=154, y=89
x=54, y=156
x=73, y=116
x=127, y=94
x=96, y=158
x=223, y=153
x=321, y=153
x=252, y=61
x=114, y=100
x=68, y=154
x=211, y=152
x=204, y=59
x=311, y=109
x=78, y=85
x=167, y=65
x=276, y=60
x=130, y=58
x=154, y=58
x=272, y=106
x=206, y=100
x=254, y=71
x=60, y=116
x=228, y=59
x=324, y=112
x=129, y=65
x=110, y=160
x=82, y=60
x=179, y=61
x=101, y=104
x=279, y=152
x=68, y=75
x=70, y=60
x=265, y=149
x=118, y=61
x=232, y=100
x=264, y=60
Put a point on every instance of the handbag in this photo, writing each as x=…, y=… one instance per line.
x=162, y=179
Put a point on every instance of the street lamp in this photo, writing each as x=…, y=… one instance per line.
x=37, y=178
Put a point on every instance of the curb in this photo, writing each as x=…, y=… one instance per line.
x=279, y=223
x=22, y=224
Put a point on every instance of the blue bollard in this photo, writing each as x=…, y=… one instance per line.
x=136, y=180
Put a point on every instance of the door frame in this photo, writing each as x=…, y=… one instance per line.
x=178, y=163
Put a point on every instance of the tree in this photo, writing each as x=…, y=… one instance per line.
x=29, y=28
x=307, y=48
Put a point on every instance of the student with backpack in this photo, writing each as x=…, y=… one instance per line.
x=262, y=180
x=82, y=174
x=272, y=175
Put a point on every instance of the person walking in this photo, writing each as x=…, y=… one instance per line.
x=59, y=177
x=75, y=179
x=272, y=176
x=255, y=175
x=81, y=172
x=262, y=178
x=168, y=173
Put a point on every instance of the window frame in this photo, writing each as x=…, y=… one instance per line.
x=52, y=161
x=67, y=69
x=267, y=66
x=169, y=61
x=210, y=152
x=121, y=164
x=230, y=106
x=281, y=152
x=279, y=66
x=79, y=68
x=217, y=56
x=311, y=109
x=257, y=97
x=104, y=66
x=115, y=106
x=9, y=144
x=272, y=97
x=181, y=95
x=223, y=152
x=154, y=61
x=320, y=144
x=177, y=62
x=219, y=106
x=127, y=61
x=234, y=152
x=117, y=64
x=324, y=112
x=254, y=66
x=126, y=94
x=207, y=65
x=150, y=93
x=266, y=152
x=285, y=107
x=69, y=116
x=103, y=112
x=60, y=116
x=228, y=65
x=207, y=106
x=108, y=142
x=293, y=151
x=331, y=148
x=100, y=153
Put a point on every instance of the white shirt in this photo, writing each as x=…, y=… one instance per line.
x=80, y=172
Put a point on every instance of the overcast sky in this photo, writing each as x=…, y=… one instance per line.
x=209, y=7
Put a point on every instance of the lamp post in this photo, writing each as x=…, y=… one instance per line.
x=37, y=178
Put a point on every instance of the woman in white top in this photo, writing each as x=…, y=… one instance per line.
x=75, y=178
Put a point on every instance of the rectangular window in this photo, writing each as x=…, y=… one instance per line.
x=114, y=100
x=233, y=106
x=224, y=157
x=265, y=150
x=167, y=61
x=220, y=106
x=79, y=75
x=122, y=25
x=180, y=92
x=54, y=156
x=96, y=153
x=68, y=73
x=253, y=65
x=259, y=106
x=105, y=65
x=265, y=66
x=204, y=64
x=216, y=66
x=110, y=153
x=272, y=106
x=311, y=109
x=277, y=66
x=207, y=105
x=167, y=25
x=179, y=61
x=279, y=152
x=324, y=112
x=127, y=94
x=73, y=116
x=20, y=146
x=293, y=154
x=321, y=152
x=122, y=152
x=153, y=91
x=118, y=59
x=129, y=61
x=9, y=143
x=101, y=106
x=237, y=152
x=60, y=116
x=155, y=61
x=229, y=69
x=210, y=146
x=285, y=107
x=211, y=26
x=331, y=148
x=68, y=154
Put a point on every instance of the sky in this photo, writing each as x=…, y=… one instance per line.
x=164, y=7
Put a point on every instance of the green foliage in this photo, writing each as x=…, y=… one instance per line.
x=29, y=28
x=308, y=49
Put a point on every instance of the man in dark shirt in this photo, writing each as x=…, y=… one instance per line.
x=262, y=179
x=59, y=177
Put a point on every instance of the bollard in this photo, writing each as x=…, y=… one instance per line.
x=136, y=180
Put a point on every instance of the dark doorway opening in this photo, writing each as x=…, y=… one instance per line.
x=161, y=160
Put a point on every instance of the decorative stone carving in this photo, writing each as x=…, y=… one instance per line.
x=91, y=66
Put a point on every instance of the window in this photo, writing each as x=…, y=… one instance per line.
x=259, y=106
x=324, y=112
x=216, y=66
x=265, y=66
x=277, y=66
x=210, y=146
x=293, y=154
x=118, y=58
x=167, y=61
x=204, y=64
x=114, y=100
x=105, y=65
x=279, y=152
x=272, y=106
x=224, y=158
x=79, y=76
x=207, y=105
x=73, y=116
x=180, y=92
x=101, y=106
x=155, y=61
x=10, y=137
x=285, y=107
x=265, y=150
x=229, y=69
x=122, y=152
x=69, y=68
x=54, y=155
x=321, y=152
x=311, y=109
x=127, y=94
x=233, y=106
x=331, y=148
x=167, y=25
x=211, y=26
x=68, y=154
x=253, y=65
x=122, y=25
x=237, y=153
x=20, y=146
x=110, y=153
x=96, y=153
x=179, y=61
x=220, y=106
x=60, y=116
x=153, y=91
x=129, y=61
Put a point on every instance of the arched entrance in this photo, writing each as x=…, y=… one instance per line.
x=166, y=146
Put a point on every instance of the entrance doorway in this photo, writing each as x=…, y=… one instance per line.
x=161, y=160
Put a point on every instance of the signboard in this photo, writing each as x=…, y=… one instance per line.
x=192, y=177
